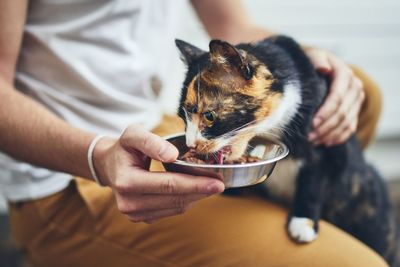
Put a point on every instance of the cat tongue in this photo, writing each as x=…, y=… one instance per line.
x=220, y=157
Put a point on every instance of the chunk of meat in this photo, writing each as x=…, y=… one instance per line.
x=192, y=157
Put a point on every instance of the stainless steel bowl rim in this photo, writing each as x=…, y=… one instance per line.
x=285, y=152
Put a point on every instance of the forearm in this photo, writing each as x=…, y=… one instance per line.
x=248, y=33
x=28, y=131
x=31, y=133
x=229, y=21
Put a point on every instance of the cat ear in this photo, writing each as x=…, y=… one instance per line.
x=224, y=53
x=189, y=52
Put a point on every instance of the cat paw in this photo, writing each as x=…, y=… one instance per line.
x=302, y=230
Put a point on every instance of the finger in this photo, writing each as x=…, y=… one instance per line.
x=343, y=131
x=145, y=182
x=328, y=125
x=151, y=216
x=335, y=134
x=341, y=116
x=344, y=137
x=349, y=130
x=149, y=144
x=140, y=203
x=352, y=101
x=320, y=61
x=341, y=82
x=154, y=219
x=354, y=95
x=348, y=111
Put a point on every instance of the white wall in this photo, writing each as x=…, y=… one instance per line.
x=2, y=200
x=363, y=32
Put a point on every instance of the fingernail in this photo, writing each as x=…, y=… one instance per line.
x=324, y=69
x=169, y=153
x=214, y=188
x=312, y=136
x=317, y=121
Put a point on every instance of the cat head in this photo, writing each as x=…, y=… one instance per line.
x=226, y=95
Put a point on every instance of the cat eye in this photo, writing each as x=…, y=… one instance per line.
x=209, y=118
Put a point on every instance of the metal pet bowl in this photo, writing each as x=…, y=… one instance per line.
x=233, y=175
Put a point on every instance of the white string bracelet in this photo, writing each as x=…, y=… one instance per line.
x=90, y=158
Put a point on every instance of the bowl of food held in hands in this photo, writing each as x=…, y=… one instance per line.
x=253, y=167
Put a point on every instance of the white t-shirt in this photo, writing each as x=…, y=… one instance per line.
x=90, y=62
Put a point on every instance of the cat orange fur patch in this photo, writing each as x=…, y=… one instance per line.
x=191, y=96
x=269, y=105
x=218, y=77
x=259, y=85
x=206, y=147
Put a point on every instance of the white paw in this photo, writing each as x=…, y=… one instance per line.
x=301, y=229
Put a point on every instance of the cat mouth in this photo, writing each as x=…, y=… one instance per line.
x=216, y=157
x=223, y=153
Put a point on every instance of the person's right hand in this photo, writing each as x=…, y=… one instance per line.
x=142, y=195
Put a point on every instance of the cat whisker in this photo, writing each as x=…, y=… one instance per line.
x=232, y=132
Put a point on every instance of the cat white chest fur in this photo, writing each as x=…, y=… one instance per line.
x=282, y=182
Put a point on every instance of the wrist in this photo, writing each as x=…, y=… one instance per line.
x=99, y=159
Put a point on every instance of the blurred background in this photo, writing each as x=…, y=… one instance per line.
x=363, y=32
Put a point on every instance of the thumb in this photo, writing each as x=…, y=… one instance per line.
x=321, y=62
x=149, y=144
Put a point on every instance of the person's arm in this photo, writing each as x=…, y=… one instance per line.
x=28, y=131
x=229, y=21
x=337, y=119
x=31, y=133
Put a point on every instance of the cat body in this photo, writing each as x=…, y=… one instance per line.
x=234, y=93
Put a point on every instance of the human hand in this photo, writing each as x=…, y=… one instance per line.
x=142, y=195
x=337, y=118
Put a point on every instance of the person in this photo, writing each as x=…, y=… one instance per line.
x=72, y=70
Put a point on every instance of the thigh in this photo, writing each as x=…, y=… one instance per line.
x=218, y=231
x=370, y=110
x=241, y=231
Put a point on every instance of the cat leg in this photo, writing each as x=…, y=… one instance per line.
x=306, y=208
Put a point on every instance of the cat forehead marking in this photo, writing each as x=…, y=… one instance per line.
x=232, y=81
x=269, y=105
x=191, y=94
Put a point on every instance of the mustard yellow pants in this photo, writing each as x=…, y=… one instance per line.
x=81, y=226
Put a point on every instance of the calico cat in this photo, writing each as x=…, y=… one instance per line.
x=233, y=93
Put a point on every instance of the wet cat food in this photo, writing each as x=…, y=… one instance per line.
x=192, y=157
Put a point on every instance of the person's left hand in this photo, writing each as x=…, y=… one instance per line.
x=337, y=118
